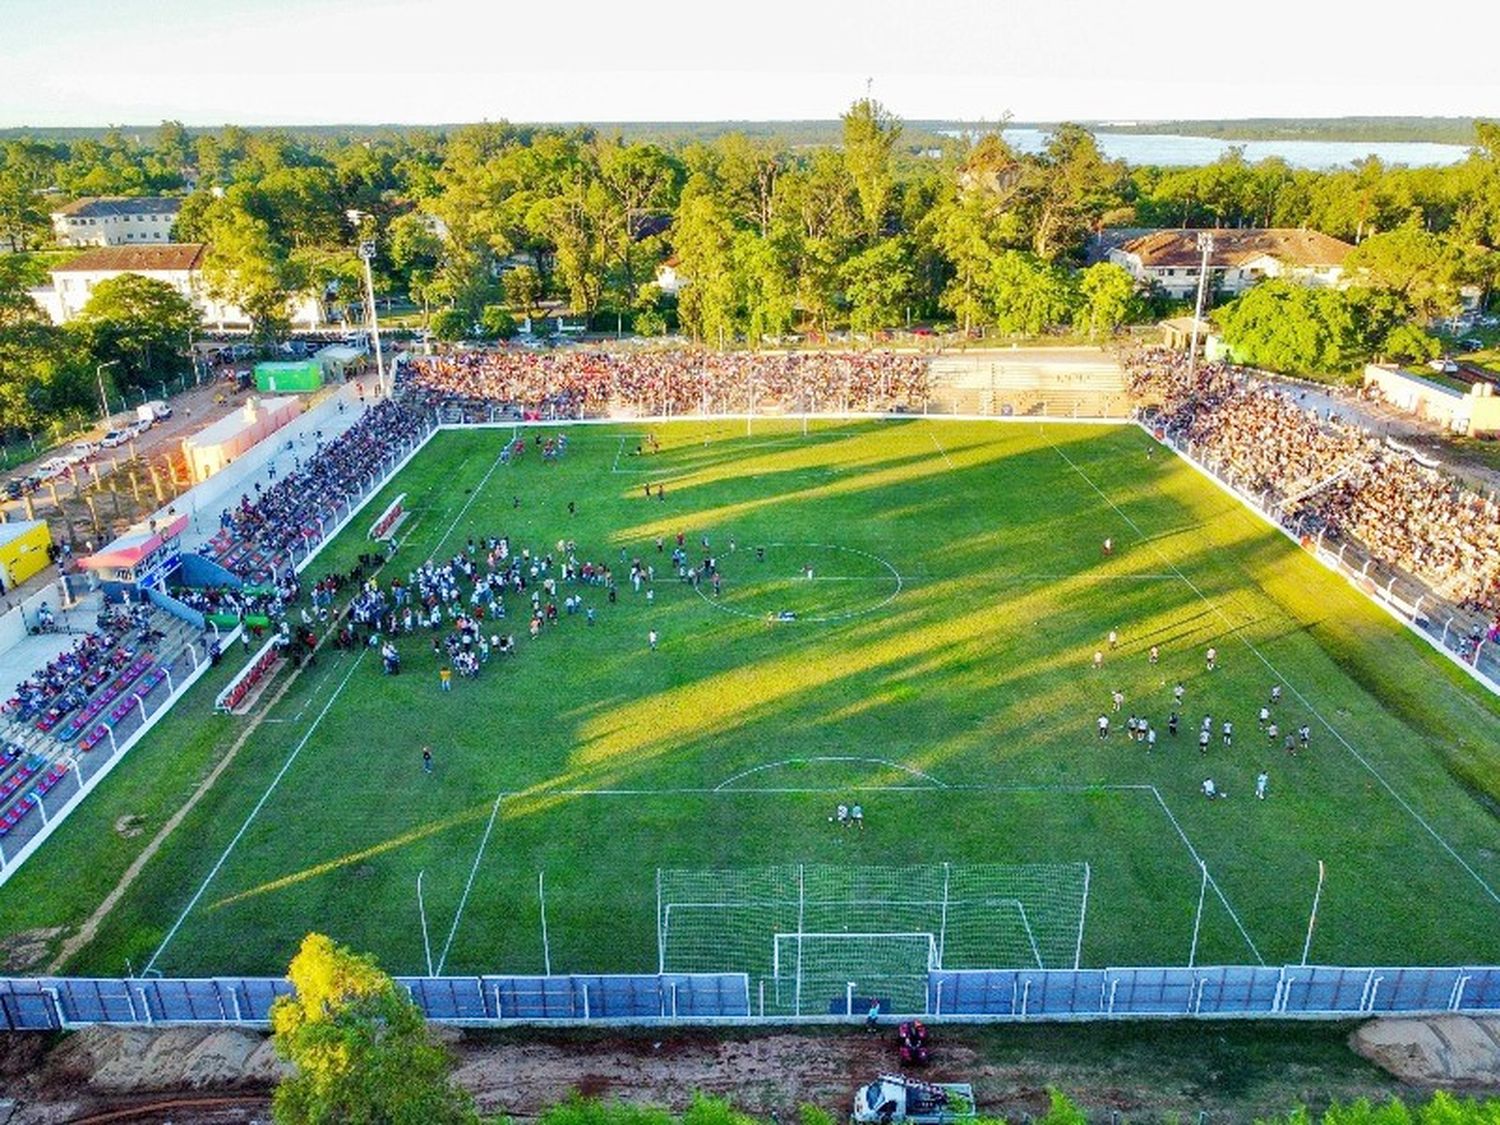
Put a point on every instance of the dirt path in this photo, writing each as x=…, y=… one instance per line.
x=1147, y=1072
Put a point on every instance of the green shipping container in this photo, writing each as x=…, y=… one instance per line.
x=289, y=377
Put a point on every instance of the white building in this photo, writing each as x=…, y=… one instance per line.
x=1171, y=259
x=179, y=264
x=116, y=221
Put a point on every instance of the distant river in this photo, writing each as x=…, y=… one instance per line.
x=1171, y=150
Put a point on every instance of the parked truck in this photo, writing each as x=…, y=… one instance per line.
x=151, y=412
x=895, y=1098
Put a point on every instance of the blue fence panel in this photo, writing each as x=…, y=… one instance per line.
x=449, y=998
x=701, y=995
x=99, y=1001
x=1150, y=991
x=973, y=993
x=534, y=998
x=1321, y=989
x=621, y=997
x=28, y=1011
x=1412, y=990
x=1481, y=990
x=1237, y=989
x=1061, y=992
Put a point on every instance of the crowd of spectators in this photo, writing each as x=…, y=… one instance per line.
x=1329, y=475
x=574, y=383
x=257, y=536
x=65, y=682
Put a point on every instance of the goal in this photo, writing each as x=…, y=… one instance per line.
x=817, y=938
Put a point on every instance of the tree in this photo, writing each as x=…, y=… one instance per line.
x=870, y=133
x=1066, y=190
x=1030, y=296
x=878, y=283
x=247, y=265
x=1110, y=296
x=704, y=239
x=140, y=323
x=1287, y=327
x=44, y=374
x=26, y=169
x=359, y=1047
x=523, y=288
x=1419, y=267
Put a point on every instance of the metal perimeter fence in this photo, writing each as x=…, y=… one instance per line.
x=981, y=995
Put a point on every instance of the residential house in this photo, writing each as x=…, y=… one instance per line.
x=116, y=220
x=179, y=264
x=1171, y=259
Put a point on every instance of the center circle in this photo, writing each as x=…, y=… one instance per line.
x=792, y=582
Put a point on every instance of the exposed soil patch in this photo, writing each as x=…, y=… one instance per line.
x=27, y=949
x=130, y=826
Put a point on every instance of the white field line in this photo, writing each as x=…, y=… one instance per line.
x=264, y=797
x=478, y=488
x=725, y=784
x=1212, y=882
x=469, y=886
x=1235, y=630
x=947, y=460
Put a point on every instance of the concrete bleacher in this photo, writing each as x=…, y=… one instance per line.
x=44, y=763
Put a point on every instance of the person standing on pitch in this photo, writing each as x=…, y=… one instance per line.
x=427, y=759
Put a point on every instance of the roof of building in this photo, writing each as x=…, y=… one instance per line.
x=138, y=542
x=18, y=529
x=137, y=259
x=1236, y=247
x=106, y=205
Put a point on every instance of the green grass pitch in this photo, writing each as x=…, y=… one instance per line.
x=937, y=671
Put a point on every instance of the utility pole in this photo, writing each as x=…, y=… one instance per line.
x=103, y=399
x=1206, y=245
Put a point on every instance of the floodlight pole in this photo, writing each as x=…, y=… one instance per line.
x=1206, y=245
x=366, y=253
x=541, y=894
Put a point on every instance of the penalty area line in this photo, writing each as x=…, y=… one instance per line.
x=1236, y=631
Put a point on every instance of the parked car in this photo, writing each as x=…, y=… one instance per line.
x=80, y=451
x=242, y=351
x=114, y=438
x=1443, y=364
x=15, y=488
x=53, y=467
x=1471, y=344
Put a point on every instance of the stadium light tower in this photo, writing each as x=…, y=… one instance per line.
x=367, y=255
x=1206, y=246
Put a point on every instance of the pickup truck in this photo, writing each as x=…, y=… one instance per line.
x=894, y=1098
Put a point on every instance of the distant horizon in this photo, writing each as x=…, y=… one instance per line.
x=326, y=62
x=1100, y=123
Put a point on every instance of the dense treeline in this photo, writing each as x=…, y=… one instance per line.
x=480, y=225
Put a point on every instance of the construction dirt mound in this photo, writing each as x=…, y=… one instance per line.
x=1438, y=1050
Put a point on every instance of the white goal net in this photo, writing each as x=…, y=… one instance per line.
x=820, y=938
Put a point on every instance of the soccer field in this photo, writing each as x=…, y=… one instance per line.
x=943, y=591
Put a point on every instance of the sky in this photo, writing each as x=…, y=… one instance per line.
x=211, y=62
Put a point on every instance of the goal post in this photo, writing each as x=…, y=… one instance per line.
x=807, y=929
